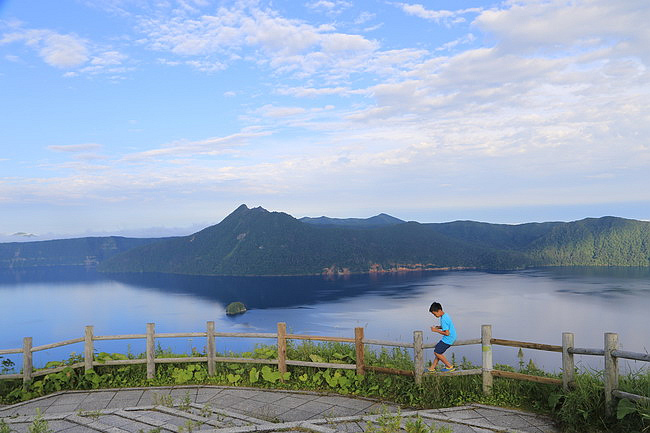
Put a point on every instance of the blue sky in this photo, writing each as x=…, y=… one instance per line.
x=152, y=117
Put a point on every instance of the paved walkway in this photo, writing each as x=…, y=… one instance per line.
x=221, y=409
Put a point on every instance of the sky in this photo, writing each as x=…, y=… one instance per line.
x=152, y=117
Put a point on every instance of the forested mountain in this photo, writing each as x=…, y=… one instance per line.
x=505, y=236
x=259, y=242
x=80, y=251
x=607, y=241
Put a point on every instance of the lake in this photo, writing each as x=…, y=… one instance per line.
x=534, y=305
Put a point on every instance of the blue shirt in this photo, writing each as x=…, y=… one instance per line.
x=447, y=324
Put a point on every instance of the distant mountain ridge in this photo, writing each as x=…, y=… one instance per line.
x=376, y=221
x=258, y=242
x=89, y=251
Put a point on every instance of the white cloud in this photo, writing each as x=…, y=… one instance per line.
x=329, y=6
x=207, y=147
x=445, y=16
x=276, y=112
x=61, y=51
x=553, y=25
x=67, y=51
x=108, y=58
x=206, y=65
x=364, y=17
x=75, y=147
x=286, y=45
x=543, y=114
x=302, y=92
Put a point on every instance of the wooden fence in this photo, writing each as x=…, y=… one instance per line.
x=610, y=352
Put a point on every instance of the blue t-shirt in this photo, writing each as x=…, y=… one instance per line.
x=447, y=324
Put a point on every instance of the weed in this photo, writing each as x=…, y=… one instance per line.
x=385, y=423
x=206, y=411
x=153, y=430
x=189, y=426
x=185, y=403
x=7, y=365
x=392, y=423
x=162, y=400
x=417, y=425
x=90, y=414
x=4, y=427
x=39, y=425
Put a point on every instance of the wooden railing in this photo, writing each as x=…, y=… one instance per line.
x=610, y=352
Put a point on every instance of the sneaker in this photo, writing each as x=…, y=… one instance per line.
x=448, y=370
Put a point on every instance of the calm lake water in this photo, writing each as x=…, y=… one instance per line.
x=533, y=305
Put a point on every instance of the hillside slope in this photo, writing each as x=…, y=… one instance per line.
x=258, y=242
x=65, y=252
x=607, y=241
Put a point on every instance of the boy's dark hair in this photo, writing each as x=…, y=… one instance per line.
x=435, y=307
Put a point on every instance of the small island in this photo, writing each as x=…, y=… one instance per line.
x=235, y=308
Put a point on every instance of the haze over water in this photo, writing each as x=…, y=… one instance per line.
x=532, y=305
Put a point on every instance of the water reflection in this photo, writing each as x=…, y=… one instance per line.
x=276, y=292
x=534, y=305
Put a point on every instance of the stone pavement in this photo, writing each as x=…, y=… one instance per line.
x=204, y=409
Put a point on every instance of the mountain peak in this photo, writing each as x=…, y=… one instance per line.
x=241, y=208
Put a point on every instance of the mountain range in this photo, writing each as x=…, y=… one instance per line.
x=258, y=242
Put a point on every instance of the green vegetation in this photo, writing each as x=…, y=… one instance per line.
x=605, y=241
x=235, y=308
x=393, y=423
x=258, y=242
x=581, y=409
x=4, y=428
x=65, y=252
x=39, y=425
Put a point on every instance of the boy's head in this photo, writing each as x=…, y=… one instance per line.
x=436, y=309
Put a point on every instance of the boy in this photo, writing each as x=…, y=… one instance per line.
x=448, y=332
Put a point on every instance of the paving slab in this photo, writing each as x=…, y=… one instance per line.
x=241, y=410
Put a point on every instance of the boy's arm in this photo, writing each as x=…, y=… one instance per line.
x=440, y=331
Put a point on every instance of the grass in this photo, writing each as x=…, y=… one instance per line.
x=581, y=409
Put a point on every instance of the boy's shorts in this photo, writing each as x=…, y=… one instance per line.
x=441, y=347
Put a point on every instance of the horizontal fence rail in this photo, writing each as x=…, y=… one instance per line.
x=585, y=351
x=525, y=345
x=610, y=352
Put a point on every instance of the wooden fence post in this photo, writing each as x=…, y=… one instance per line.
x=282, y=349
x=611, y=370
x=360, y=351
x=27, y=360
x=89, y=349
x=486, y=343
x=418, y=356
x=211, y=348
x=568, y=366
x=151, y=351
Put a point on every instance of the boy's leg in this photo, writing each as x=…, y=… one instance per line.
x=441, y=348
x=441, y=357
